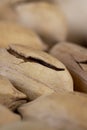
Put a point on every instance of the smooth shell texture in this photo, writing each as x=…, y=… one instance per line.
x=12, y=33
x=45, y=19
x=30, y=125
x=7, y=116
x=9, y=95
x=62, y=109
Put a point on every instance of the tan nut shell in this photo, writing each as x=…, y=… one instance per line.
x=52, y=74
x=7, y=116
x=12, y=33
x=39, y=125
x=77, y=29
x=11, y=68
x=10, y=96
x=45, y=19
x=28, y=125
x=7, y=11
x=75, y=58
x=68, y=110
x=34, y=72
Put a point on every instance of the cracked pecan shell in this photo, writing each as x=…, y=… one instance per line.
x=34, y=72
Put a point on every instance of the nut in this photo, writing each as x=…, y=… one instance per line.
x=75, y=59
x=34, y=72
x=30, y=125
x=62, y=110
x=10, y=96
x=42, y=17
x=12, y=33
x=7, y=117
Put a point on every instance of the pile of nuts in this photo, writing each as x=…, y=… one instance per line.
x=43, y=65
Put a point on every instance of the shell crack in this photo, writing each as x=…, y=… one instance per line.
x=35, y=60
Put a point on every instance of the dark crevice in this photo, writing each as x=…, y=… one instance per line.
x=83, y=62
x=45, y=64
x=78, y=62
x=18, y=113
x=35, y=60
x=14, y=53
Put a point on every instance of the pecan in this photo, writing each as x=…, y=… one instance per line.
x=27, y=125
x=34, y=72
x=13, y=33
x=63, y=110
x=9, y=95
x=7, y=116
x=75, y=59
x=44, y=18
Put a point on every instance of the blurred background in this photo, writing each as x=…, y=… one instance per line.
x=52, y=20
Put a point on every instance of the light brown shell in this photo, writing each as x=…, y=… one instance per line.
x=9, y=95
x=28, y=125
x=13, y=33
x=7, y=11
x=75, y=58
x=34, y=72
x=44, y=18
x=62, y=110
x=7, y=116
